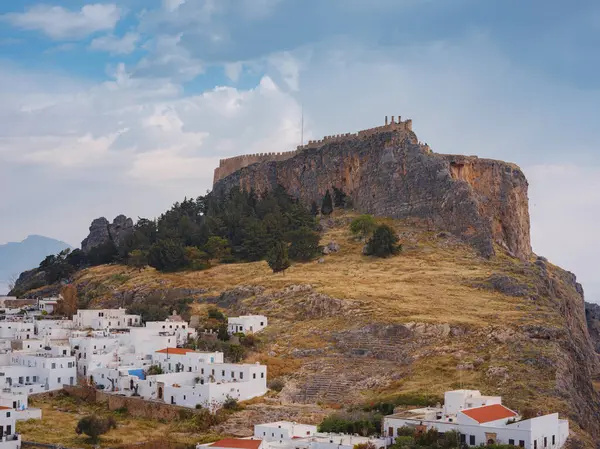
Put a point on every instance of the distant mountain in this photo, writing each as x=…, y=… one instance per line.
x=16, y=257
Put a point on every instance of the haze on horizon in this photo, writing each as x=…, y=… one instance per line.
x=126, y=106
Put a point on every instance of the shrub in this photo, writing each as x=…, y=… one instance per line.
x=276, y=385
x=231, y=404
x=94, y=426
x=383, y=243
x=137, y=259
x=167, y=255
x=363, y=226
x=154, y=370
x=216, y=314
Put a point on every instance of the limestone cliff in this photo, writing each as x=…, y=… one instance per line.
x=389, y=173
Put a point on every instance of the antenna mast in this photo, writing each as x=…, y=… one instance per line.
x=302, y=127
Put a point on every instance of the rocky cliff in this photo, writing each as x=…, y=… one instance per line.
x=389, y=173
x=102, y=231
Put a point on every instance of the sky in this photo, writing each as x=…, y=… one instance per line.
x=127, y=106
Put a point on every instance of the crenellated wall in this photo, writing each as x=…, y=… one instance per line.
x=232, y=164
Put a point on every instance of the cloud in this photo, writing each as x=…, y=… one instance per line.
x=60, y=23
x=234, y=70
x=115, y=45
x=168, y=59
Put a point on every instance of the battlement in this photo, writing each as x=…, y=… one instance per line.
x=232, y=164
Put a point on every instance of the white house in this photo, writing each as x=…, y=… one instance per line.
x=195, y=378
x=17, y=329
x=288, y=435
x=54, y=329
x=9, y=439
x=105, y=319
x=19, y=402
x=283, y=430
x=38, y=372
x=246, y=324
x=482, y=420
x=47, y=305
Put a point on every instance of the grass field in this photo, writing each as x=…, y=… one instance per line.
x=61, y=413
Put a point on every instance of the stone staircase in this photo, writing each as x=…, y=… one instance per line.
x=326, y=386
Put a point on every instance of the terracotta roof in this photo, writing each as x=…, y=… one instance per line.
x=489, y=413
x=5, y=408
x=180, y=351
x=238, y=444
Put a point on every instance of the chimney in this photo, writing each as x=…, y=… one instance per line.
x=392, y=119
x=386, y=120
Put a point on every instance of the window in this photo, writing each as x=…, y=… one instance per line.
x=54, y=366
x=59, y=379
x=535, y=444
x=8, y=414
x=511, y=442
x=222, y=372
x=241, y=375
x=471, y=440
x=232, y=374
x=545, y=441
x=253, y=375
x=262, y=375
x=553, y=440
x=463, y=438
x=202, y=371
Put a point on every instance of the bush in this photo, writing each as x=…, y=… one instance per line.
x=276, y=385
x=383, y=243
x=363, y=226
x=154, y=370
x=216, y=314
x=94, y=426
x=362, y=424
x=231, y=404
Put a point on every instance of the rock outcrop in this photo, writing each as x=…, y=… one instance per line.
x=102, y=231
x=389, y=173
x=592, y=315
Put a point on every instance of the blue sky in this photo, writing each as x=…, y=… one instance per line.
x=112, y=107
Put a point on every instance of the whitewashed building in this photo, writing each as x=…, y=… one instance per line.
x=283, y=430
x=246, y=324
x=17, y=329
x=482, y=420
x=105, y=319
x=9, y=439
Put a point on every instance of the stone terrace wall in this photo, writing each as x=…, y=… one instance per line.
x=233, y=164
x=137, y=407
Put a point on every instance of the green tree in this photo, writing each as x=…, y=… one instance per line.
x=216, y=314
x=167, y=255
x=383, y=243
x=137, y=259
x=94, y=426
x=154, y=370
x=217, y=247
x=363, y=226
x=103, y=254
x=278, y=258
x=304, y=244
x=339, y=198
x=235, y=353
x=327, y=205
x=195, y=258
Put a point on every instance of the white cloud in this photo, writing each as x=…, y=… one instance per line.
x=60, y=23
x=116, y=45
x=168, y=59
x=234, y=70
x=172, y=5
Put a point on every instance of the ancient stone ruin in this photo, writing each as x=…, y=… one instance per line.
x=387, y=171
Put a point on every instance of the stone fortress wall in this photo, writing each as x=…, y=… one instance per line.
x=233, y=164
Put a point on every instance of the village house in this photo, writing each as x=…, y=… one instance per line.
x=482, y=420
x=246, y=324
x=9, y=439
x=105, y=319
x=290, y=435
x=17, y=329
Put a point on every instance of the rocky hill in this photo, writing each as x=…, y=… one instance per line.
x=353, y=329
x=387, y=172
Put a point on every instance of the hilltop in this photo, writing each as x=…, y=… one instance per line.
x=354, y=329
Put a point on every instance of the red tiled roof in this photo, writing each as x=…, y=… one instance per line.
x=5, y=408
x=489, y=413
x=235, y=443
x=180, y=351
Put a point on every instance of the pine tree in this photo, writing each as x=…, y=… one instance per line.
x=383, y=243
x=278, y=257
x=327, y=206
